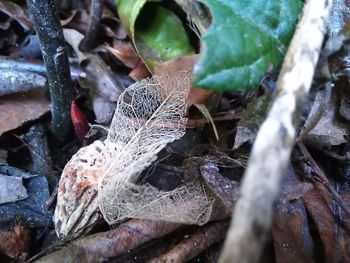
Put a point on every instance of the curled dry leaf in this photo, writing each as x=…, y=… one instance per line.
x=149, y=115
x=124, y=52
x=80, y=124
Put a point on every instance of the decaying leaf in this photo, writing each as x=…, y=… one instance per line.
x=124, y=52
x=15, y=240
x=11, y=189
x=329, y=131
x=196, y=95
x=249, y=124
x=98, y=247
x=16, y=109
x=16, y=12
x=149, y=115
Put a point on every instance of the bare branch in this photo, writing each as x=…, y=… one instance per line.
x=271, y=151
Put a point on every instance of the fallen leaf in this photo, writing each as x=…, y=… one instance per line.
x=196, y=95
x=15, y=240
x=331, y=224
x=251, y=121
x=111, y=25
x=103, y=109
x=124, y=52
x=17, y=109
x=139, y=72
x=329, y=131
x=11, y=189
x=293, y=241
x=17, y=13
x=30, y=210
x=125, y=237
x=195, y=242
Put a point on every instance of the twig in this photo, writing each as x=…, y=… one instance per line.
x=89, y=41
x=34, y=67
x=229, y=116
x=196, y=14
x=19, y=81
x=271, y=151
x=322, y=178
x=195, y=243
x=49, y=30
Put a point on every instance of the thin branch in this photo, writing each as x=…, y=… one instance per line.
x=195, y=243
x=198, y=16
x=89, y=41
x=49, y=30
x=22, y=65
x=322, y=178
x=270, y=155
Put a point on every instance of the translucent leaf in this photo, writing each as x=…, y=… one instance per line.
x=149, y=115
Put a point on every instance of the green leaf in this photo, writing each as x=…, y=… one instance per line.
x=245, y=38
x=157, y=33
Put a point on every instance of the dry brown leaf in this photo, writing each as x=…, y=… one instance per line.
x=124, y=52
x=196, y=95
x=16, y=109
x=139, y=72
x=291, y=234
x=11, y=189
x=112, y=243
x=329, y=131
x=332, y=224
x=14, y=241
x=17, y=13
x=194, y=243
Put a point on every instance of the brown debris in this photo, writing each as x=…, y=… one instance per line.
x=194, y=243
x=112, y=243
x=14, y=241
x=16, y=109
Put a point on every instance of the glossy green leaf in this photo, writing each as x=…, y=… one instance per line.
x=158, y=34
x=244, y=40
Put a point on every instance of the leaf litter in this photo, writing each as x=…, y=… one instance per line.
x=314, y=208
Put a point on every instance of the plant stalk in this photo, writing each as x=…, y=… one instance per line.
x=52, y=44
